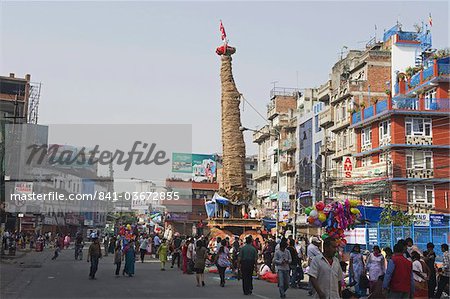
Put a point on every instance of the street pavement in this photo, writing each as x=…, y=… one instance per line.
x=37, y=276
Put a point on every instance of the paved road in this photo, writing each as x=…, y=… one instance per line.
x=37, y=276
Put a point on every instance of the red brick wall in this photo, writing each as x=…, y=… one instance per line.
x=398, y=129
x=378, y=76
x=441, y=191
x=399, y=195
x=441, y=133
x=398, y=163
x=441, y=163
x=442, y=90
x=284, y=103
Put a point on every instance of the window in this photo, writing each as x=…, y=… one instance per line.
x=385, y=129
x=344, y=139
x=366, y=161
x=366, y=136
x=419, y=160
x=316, y=123
x=430, y=97
x=386, y=156
x=351, y=137
x=418, y=126
x=420, y=194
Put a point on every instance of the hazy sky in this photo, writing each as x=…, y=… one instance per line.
x=154, y=62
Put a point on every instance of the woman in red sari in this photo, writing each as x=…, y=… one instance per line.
x=184, y=249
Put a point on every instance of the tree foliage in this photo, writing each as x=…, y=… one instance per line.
x=395, y=216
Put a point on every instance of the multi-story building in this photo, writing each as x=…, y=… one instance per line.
x=276, y=148
x=357, y=80
x=403, y=142
x=14, y=98
x=251, y=165
x=309, y=166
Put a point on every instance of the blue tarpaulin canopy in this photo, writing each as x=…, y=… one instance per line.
x=371, y=214
x=210, y=208
x=269, y=223
x=220, y=199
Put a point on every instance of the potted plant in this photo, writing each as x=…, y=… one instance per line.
x=409, y=72
x=374, y=100
x=387, y=92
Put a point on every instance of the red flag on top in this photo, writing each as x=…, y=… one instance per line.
x=430, y=20
x=222, y=31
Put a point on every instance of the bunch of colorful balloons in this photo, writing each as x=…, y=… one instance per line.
x=335, y=217
x=127, y=232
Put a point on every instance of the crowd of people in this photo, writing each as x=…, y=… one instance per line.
x=404, y=272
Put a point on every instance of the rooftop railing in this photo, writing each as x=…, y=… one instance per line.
x=406, y=104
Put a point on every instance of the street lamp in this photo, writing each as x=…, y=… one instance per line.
x=278, y=135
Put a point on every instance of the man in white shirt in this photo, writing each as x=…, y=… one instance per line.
x=325, y=272
x=253, y=213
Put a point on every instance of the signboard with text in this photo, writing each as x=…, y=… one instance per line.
x=356, y=236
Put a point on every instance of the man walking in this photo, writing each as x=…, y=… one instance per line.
x=399, y=280
x=94, y=254
x=282, y=259
x=176, y=255
x=325, y=272
x=247, y=260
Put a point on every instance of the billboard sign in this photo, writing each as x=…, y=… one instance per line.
x=201, y=167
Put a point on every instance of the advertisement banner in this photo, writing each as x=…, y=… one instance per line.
x=438, y=220
x=181, y=162
x=202, y=167
x=356, y=236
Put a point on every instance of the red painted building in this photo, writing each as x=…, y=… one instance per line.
x=403, y=143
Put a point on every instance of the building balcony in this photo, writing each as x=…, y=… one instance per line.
x=329, y=147
x=340, y=124
x=435, y=71
x=280, y=121
x=347, y=89
x=326, y=118
x=287, y=167
x=271, y=110
x=262, y=172
x=261, y=134
x=402, y=105
x=419, y=173
x=323, y=92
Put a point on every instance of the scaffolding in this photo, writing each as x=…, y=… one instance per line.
x=33, y=102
